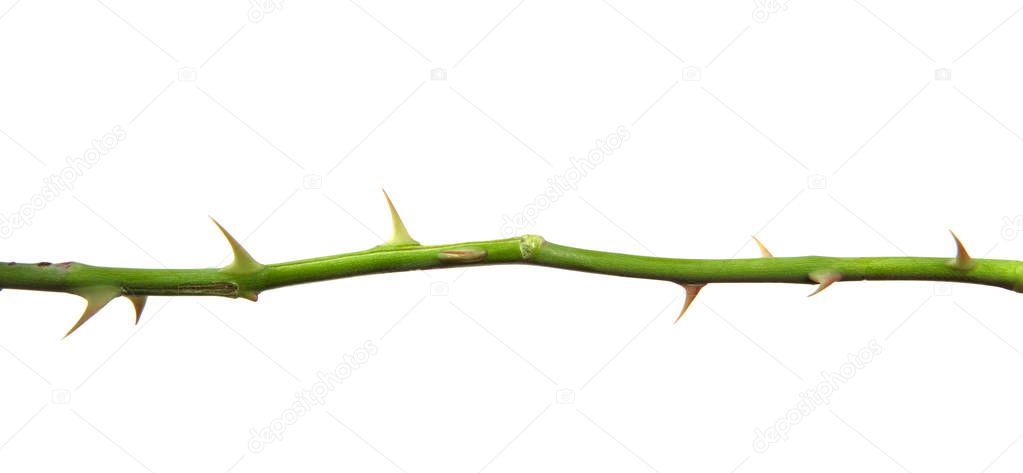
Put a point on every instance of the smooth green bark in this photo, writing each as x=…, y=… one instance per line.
x=247, y=278
x=531, y=250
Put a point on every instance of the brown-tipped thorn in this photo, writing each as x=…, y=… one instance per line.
x=691, y=291
x=140, y=304
x=243, y=262
x=823, y=279
x=400, y=235
x=963, y=260
x=764, y=253
x=96, y=298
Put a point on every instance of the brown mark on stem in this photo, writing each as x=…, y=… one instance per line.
x=462, y=255
x=222, y=289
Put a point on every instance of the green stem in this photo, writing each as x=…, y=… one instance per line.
x=245, y=277
x=78, y=278
x=1001, y=273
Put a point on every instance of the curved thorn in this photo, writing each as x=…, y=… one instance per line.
x=140, y=304
x=963, y=261
x=824, y=279
x=691, y=291
x=96, y=298
x=243, y=262
x=764, y=253
x=400, y=235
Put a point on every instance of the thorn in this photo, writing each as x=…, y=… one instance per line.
x=140, y=303
x=250, y=295
x=764, y=253
x=691, y=291
x=400, y=236
x=243, y=262
x=824, y=279
x=96, y=298
x=963, y=260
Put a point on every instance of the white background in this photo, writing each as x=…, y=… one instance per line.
x=822, y=127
